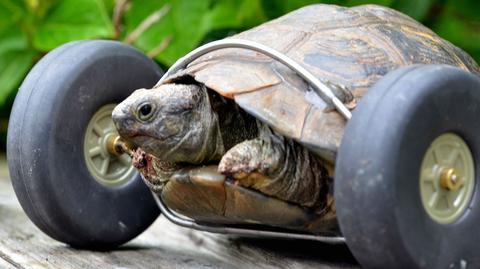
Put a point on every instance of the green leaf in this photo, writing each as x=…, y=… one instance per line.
x=465, y=34
x=188, y=22
x=12, y=38
x=460, y=26
x=459, y=23
x=11, y=11
x=185, y=23
x=14, y=65
x=109, y=5
x=274, y=9
x=39, y=8
x=15, y=60
x=73, y=20
x=466, y=10
x=364, y=2
x=417, y=9
x=290, y=5
x=236, y=14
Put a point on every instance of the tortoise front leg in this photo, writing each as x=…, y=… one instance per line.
x=279, y=167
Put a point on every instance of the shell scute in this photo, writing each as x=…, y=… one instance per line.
x=282, y=109
x=347, y=48
x=233, y=77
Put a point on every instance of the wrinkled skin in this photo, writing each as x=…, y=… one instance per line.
x=189, y=125
x=180, y=125
x=156, y=172
x=203, y=194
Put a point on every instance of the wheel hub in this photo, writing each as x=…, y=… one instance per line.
x=450, y=180
x=447, y=178
x=107, y=164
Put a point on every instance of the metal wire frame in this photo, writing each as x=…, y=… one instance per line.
x=320, y=88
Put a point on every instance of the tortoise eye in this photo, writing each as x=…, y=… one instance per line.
x=145, y=111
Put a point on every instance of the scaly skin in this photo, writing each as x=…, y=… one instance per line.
x=156, y=172
x=188, y=125
x=181, y=126
x=278, y=167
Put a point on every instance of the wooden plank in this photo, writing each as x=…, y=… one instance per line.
x=6, y=263
x=163, y=245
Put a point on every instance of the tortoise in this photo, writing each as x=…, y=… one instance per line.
x=396, y=181
x=236, y=137
x=259, y=121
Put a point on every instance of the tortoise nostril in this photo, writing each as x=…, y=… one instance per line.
x=118, y=115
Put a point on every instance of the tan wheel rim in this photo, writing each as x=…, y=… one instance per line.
x=447, y=178
x=103, y=163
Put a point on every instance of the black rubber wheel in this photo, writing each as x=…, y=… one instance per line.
x=378, y=169
x=45, y=144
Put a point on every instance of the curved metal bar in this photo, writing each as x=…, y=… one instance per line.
x=320, y=88
x=225, y=229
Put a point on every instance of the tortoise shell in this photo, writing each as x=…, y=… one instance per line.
x=348, y=48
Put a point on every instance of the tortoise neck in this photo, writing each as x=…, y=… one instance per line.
x=234, y=124
x=212, y=147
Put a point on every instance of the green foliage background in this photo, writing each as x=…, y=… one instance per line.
x=166, y=30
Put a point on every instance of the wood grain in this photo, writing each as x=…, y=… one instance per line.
x=163, y=245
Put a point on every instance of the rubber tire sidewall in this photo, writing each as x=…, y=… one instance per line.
x=377, y=173
x=45, y=144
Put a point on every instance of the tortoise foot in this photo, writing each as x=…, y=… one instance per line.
x=250, y=163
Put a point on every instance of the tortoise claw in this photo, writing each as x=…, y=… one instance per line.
x=248, y=156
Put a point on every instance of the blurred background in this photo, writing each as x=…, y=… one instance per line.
x=166, y=30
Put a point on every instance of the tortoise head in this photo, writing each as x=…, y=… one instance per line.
x=173, y=122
